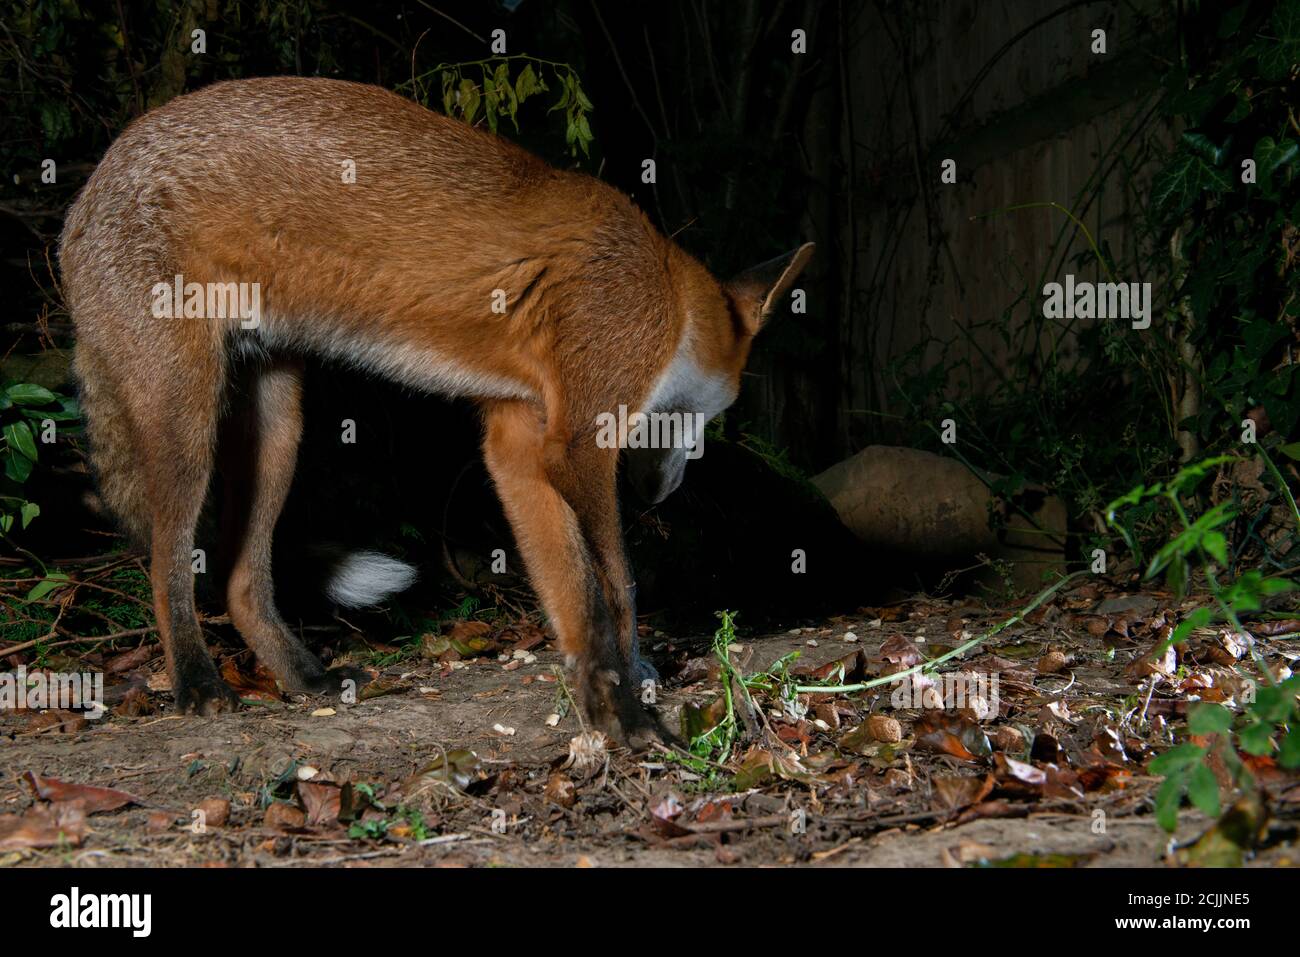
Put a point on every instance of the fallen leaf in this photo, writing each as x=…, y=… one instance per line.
x=93, y=799
x=257, y=685
x=952, y=793
x=41, y=826
x=322, y=802
x=561, y=790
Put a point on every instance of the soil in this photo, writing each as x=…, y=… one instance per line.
x=514, y=802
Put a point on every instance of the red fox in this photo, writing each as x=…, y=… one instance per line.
x=339, y=220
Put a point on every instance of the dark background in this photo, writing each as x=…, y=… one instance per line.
x=924, y=300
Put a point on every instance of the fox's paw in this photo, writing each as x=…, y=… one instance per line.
x=611, y=705
x=643, y=671
x=334, y=683
x=204, y=695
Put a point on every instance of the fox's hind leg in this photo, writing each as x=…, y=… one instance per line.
x=258, y=454
x=176, y=419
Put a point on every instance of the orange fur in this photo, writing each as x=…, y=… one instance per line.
x=397, y=273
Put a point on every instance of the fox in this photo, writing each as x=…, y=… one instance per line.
x=412, y=246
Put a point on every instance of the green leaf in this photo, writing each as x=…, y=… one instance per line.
x=1168, y=798
x=46, y=585
x=1217, y=546
x=28, y=393
x=526, y=83
x=1271, y=156
x=1178, y=758
x=1204, y=147
x=1184, y=181
x=1278, y=46
x=28, y=512
x=1256, y=738
x=1273, y=705
x=18, y=466
x=1203, y=790
x=469, y=100
x=1206, y=718
x=1197, y=619
x=18, y=435
x=1289, y=754
x=448, y=91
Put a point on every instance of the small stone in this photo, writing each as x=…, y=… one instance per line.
x=281, y=815
x=883, y=728
x=216, y=811
x=897, y=778
x=1053, y=662
x=161, y=820
x=1007, y=738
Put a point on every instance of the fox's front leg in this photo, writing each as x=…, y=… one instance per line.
x=539, y=480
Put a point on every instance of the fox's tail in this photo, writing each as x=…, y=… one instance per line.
x=353, y=579
x=360, y=579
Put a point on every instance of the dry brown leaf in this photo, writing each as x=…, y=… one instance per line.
x=93, y=799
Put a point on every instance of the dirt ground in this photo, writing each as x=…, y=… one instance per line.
x=454, y=762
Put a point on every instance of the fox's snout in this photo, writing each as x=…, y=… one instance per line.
x=654, y=474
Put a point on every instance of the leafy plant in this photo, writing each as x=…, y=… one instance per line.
x=1201, y=546
x=28, y=415
x=491, y=92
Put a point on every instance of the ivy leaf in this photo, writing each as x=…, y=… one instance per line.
x=1270, y=156
x=1278, y=47
x=28, y=512
x=1204, y=147
x=1183, y=181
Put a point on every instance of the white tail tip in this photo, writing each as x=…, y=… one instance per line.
x=367, y=578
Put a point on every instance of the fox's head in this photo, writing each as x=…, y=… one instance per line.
x=703, y=378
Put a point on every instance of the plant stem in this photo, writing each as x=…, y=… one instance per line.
x=1041, y=597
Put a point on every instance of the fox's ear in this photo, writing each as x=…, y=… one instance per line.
x=756, y=290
